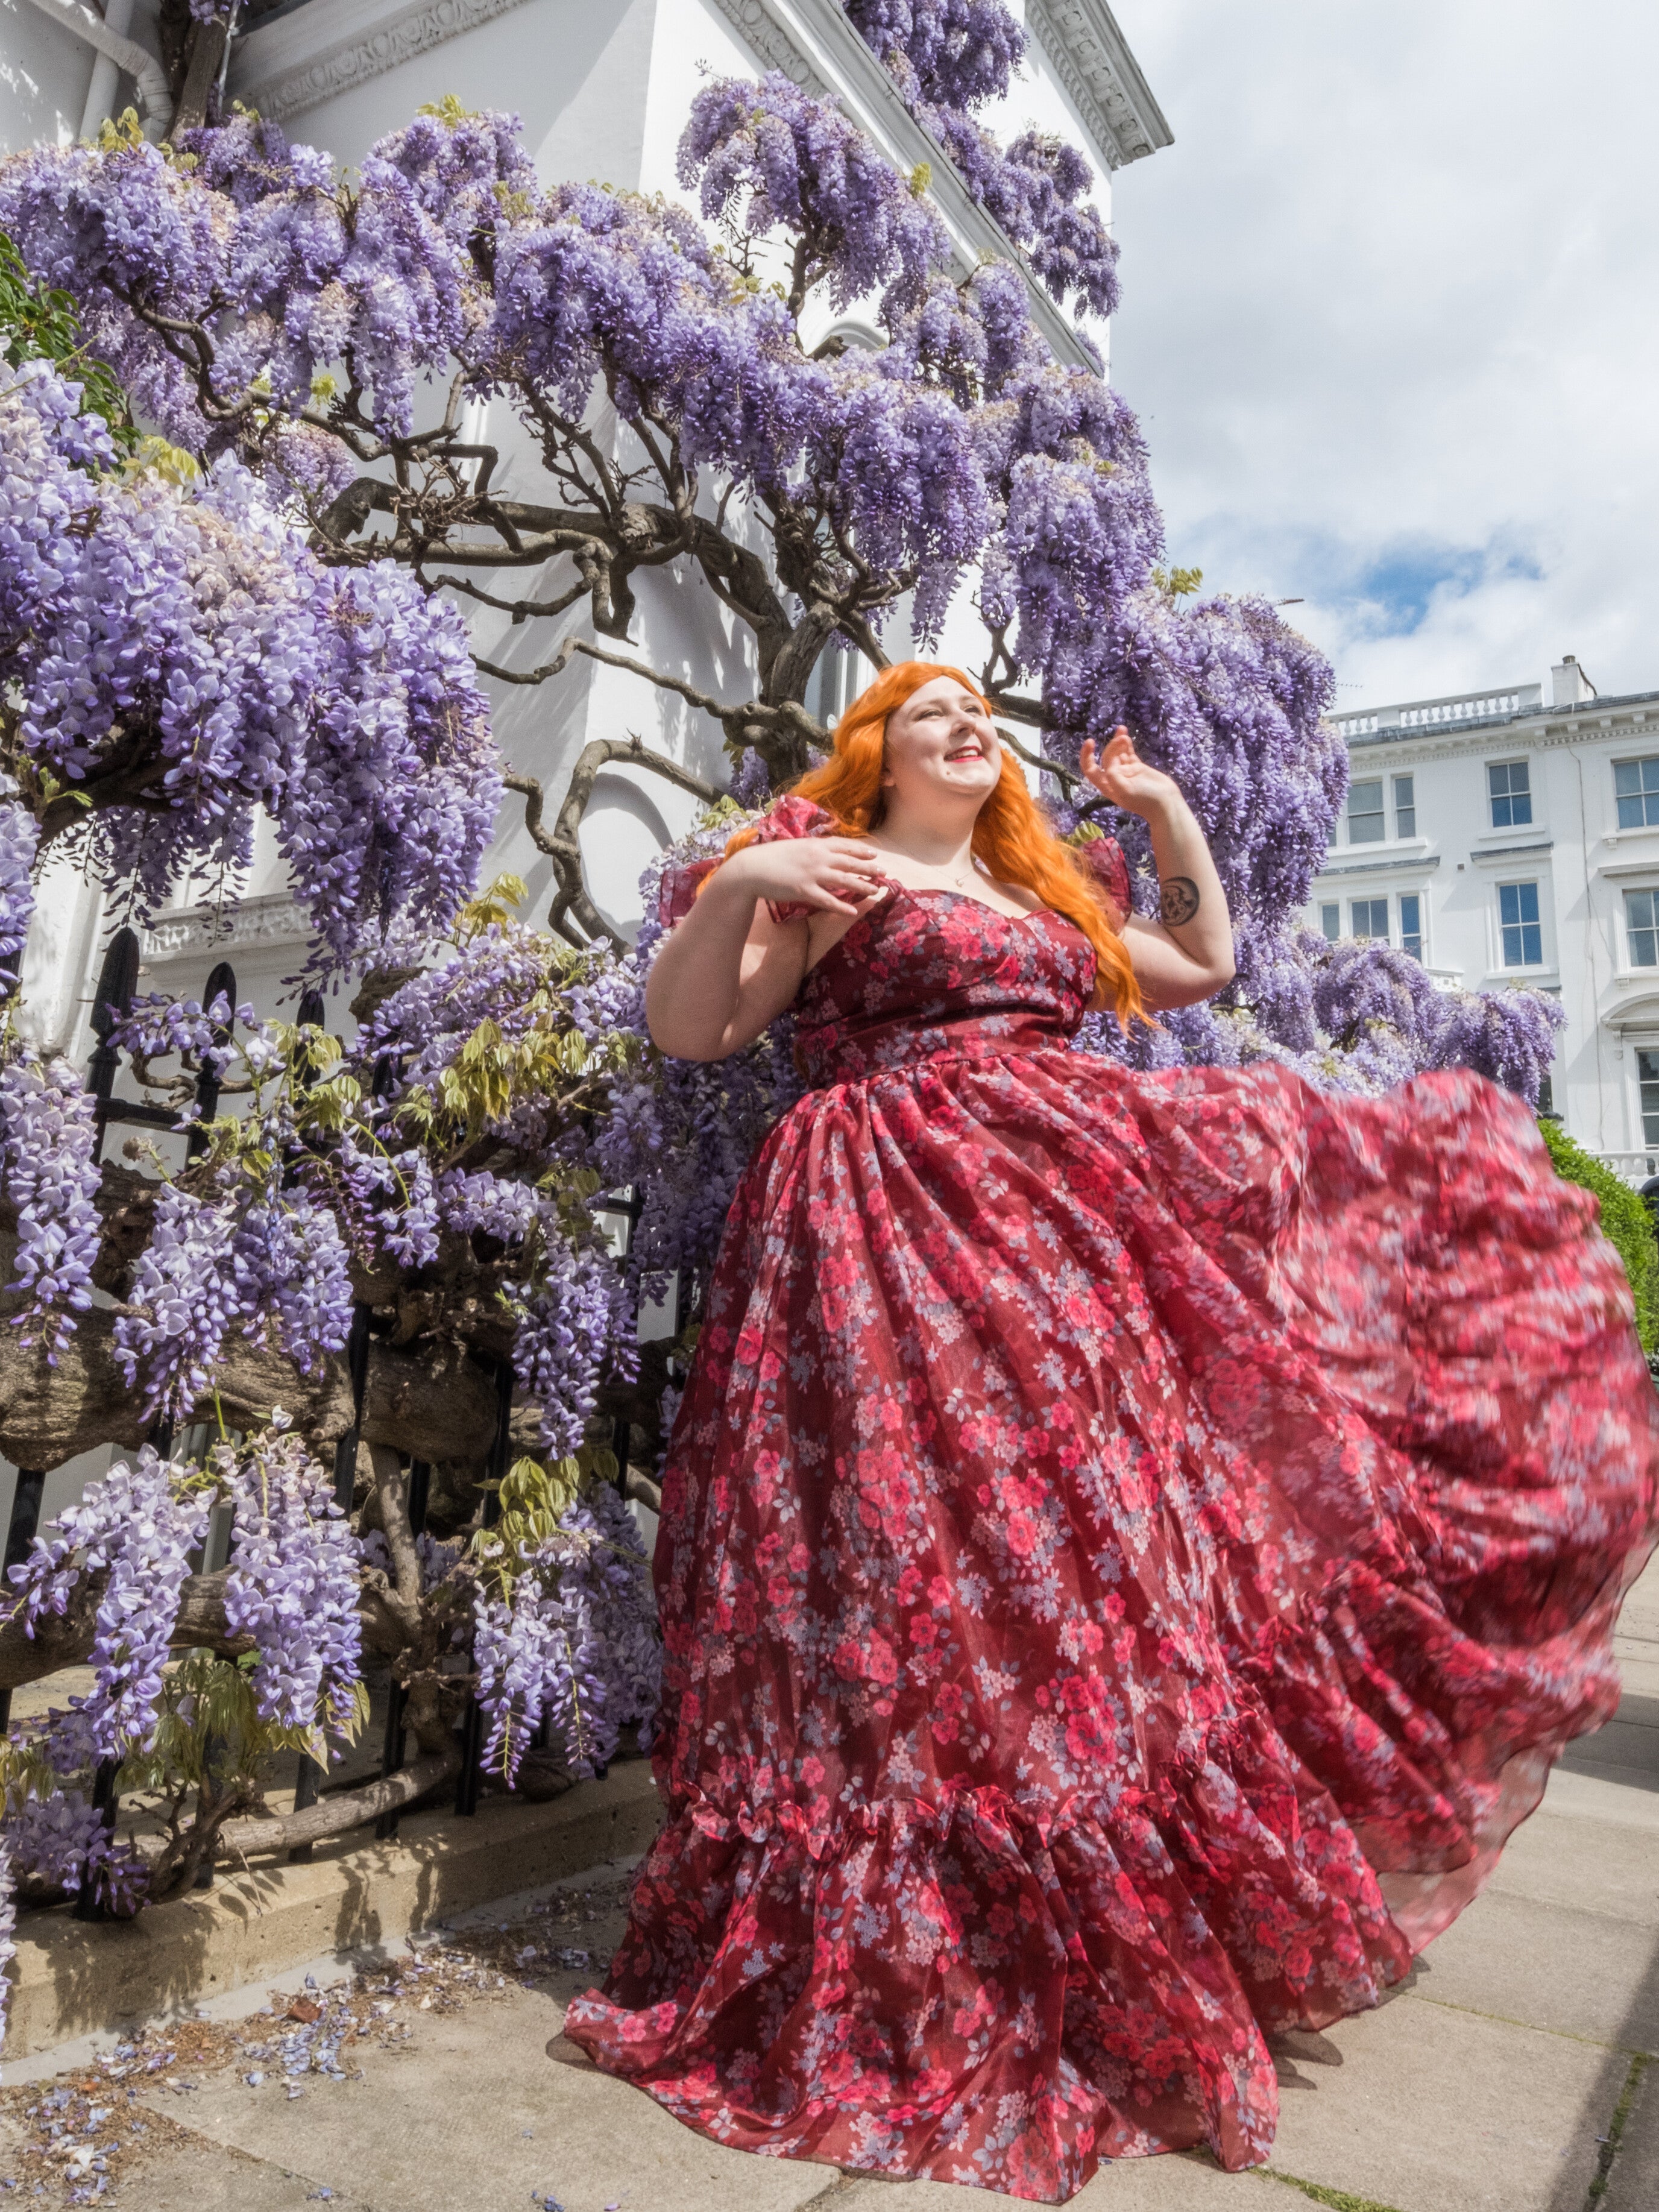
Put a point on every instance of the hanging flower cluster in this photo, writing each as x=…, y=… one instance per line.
x=293, y=1585
x=176, y=659
x=564, y=1632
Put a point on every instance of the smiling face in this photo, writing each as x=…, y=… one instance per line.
x=941, y=746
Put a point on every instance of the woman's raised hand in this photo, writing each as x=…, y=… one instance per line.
x=1118, y=773
x=841, y=875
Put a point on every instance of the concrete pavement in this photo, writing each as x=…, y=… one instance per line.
x=1511, y=2076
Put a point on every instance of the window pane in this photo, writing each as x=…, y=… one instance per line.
x=1370, y=919
x=1641, y=935
x=1509, y=788
x=1365, y=824
x=1405, y=806
x=1637, y=785
x=1647, y=1075
x=1330, y=920
x=1546, y=1097
x=1411, y=924
x=1522, y=932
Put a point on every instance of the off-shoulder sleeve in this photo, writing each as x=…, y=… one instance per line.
x=789, y=817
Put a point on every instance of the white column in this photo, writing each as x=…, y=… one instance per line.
x=106, y=76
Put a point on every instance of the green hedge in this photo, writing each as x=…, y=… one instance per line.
x=1625, y=1219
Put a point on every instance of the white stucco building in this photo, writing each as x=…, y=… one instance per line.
x=1512, y=839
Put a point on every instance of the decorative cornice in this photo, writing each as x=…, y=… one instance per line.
x=1545, y=730
x=281, y=71
x=1406, y=864
x=274, y=920
x=1091, y=56
x=758, y=25
x=1502, y=856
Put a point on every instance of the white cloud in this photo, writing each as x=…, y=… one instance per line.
x=1391, y=320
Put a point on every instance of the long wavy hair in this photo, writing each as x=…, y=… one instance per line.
x=1012, y=840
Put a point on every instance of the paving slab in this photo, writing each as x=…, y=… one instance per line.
x=1602, y=1798
x=1633, y=2184
x=1425, y=2109
x=1548, y=1966
x=1627, y=1747
x=1638, y=1623
x=1183, y=2184
x=1585, y=1866
x=206, y=2177
x=475, y=2116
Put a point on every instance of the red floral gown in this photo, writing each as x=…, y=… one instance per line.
x=1132, y=1548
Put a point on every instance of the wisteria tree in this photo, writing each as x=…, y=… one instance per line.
x=263, y=611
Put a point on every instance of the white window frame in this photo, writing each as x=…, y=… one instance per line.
x=1495, y=827
x=1546, y=961
x=1636, y=761
x=1380, y=813
x=1422, y=923
x=1627, y=965
x=1642, y=1051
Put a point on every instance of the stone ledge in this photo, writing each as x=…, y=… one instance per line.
x=73, y=1977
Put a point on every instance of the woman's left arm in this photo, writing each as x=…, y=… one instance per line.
x=1186, y=954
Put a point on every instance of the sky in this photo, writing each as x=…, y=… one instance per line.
x=1390, y=321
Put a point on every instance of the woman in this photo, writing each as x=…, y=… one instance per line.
x=1132, y=1545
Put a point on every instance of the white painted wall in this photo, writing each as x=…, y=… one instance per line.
x=43, y=76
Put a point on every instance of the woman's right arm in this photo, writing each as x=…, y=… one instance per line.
x=729, y=969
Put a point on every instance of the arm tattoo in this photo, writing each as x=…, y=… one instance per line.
x=1177, y=900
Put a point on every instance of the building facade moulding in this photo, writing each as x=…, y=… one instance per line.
x=1406, y=864
x=1092, y=58
x=305, y=59
x=277, y=919
x=759, y=26
x=1367, y=756
x=1505, y=856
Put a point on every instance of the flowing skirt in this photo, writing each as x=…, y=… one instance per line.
x=1133, y=1548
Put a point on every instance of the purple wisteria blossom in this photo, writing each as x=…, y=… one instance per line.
x=948, y=58
x=573, y=1322
x=293, y=1586
x=769, y=155
x=194, y=616
x=290, y=1255
x=60, y=1842
x=575, y=1644
x=20, y=840
x=956, y=54
x=186, y=1291
x=137, y=1526
x=156, y=1027
x=50, y=1134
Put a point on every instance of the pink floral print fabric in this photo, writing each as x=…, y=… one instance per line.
x=1133, y=1546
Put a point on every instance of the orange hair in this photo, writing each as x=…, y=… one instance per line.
x=1012, y=838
